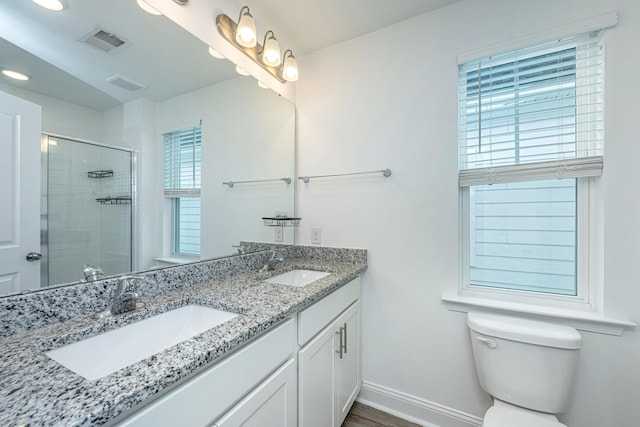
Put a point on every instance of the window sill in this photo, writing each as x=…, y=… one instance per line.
x=175, y=260
x=584, y=321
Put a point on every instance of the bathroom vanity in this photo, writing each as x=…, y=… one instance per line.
x=290, y=357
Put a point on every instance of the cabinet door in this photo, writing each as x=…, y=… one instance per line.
x=348, y=368
x=316, y=381
x=272, y=403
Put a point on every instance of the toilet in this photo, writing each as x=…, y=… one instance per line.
x=527, y=367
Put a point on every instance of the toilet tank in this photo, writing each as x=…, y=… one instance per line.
x=524, y=362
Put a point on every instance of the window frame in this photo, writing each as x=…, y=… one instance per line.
x=588, y=256
x=175, y=231
x=589, y=236
x=173, y=196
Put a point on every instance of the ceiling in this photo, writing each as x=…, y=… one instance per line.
x=162, y=56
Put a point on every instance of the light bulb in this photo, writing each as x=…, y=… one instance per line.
x=271, y=52
x=246, y=30
x=290, y=69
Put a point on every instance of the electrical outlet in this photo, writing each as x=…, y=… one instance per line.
x=316, y=235
x=279, y=234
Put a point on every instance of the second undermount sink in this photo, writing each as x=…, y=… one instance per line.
x=297, y=277
x=104, y=354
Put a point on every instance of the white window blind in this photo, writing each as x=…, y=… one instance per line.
x=182, y=159
x=526, y=118
x=182, y=162
x=540, y=106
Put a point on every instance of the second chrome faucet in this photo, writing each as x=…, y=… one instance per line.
x=126, y=298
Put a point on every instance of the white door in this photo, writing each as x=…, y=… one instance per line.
x=19, y=193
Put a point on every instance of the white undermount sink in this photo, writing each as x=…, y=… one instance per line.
x=297, y=277
x=104, y=354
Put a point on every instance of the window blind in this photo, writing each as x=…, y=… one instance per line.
x=540, y=106
x=182, y=155
x=182, y=158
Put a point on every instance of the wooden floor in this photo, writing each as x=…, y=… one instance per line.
x=365, y=416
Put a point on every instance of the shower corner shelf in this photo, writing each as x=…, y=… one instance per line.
x=281, y=221
x=100, y=173
x=120, y=200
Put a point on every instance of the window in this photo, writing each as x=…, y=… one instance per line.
x=526, y=119
x=182, y=186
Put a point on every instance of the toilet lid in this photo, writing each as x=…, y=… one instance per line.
x=498, y=416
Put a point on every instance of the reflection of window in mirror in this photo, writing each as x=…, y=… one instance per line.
x=182, y=186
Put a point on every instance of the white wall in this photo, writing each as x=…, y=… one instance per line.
x=389, y=99
x=63, y=118
x=247, y=134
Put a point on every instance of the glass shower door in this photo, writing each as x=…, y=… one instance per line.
x=89, y=211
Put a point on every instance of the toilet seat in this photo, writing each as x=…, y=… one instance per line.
x=502, y=416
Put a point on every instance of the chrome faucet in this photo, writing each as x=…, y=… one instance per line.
x=126, y=298
x=271, y=261
x=92, y=273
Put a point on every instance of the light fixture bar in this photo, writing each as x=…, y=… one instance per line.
x=227, y=29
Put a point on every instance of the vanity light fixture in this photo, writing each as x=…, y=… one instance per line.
x=270, y=53
x=148, y=8
x=55, y=5
x=246, y=34
x=15, y=75
x=290, y=66
x=243, y=37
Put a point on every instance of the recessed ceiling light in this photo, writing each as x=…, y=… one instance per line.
x=215, y=53
x=55, y=5
x=148, y=8
x=15, y=75
x=242, y=71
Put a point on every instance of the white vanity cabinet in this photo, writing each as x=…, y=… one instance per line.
x=202, y=400
x=329, y=362
x=291, y=376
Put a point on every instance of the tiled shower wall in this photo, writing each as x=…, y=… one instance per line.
x=81, y=230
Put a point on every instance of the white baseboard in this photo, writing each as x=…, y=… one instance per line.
x=414, y=409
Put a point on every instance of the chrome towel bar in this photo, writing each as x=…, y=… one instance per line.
x=385, y=172
x=232, y=183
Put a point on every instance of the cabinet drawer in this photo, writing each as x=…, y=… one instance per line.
x=204, y=398
x=315, y=318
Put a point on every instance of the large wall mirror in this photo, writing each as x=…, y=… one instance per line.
x=103, y=160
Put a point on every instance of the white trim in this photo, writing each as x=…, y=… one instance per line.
x=554, y=169
x=413, y=408
x=582, y=320
x=593, y=23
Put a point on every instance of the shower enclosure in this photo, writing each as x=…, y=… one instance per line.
x=86, y=209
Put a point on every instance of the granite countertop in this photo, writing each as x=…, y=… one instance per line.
x=37, y=391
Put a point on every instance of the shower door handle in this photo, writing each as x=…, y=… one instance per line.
x=34, y=256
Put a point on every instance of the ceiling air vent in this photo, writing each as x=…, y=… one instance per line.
x=105, y=41
x=125, y=83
